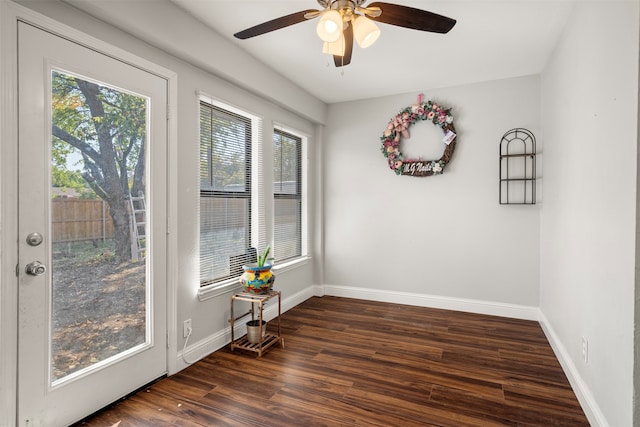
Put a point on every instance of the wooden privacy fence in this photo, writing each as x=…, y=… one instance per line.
x=75, y=220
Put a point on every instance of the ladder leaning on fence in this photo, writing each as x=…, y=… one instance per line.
x=138, y=227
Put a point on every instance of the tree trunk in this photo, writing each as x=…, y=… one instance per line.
x=121, y=232
x=114, y=181
x=138, y=175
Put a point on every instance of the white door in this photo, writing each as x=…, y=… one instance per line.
x=92, y=282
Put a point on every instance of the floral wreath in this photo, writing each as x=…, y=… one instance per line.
x=398, y=128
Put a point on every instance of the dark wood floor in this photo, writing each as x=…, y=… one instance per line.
x=350, y=362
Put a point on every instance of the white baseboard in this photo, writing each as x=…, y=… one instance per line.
x=208, y=345
x=589, y=405
x=422, y=300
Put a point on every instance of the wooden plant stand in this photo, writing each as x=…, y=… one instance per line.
x=266, y=341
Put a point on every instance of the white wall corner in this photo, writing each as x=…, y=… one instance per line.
x=583, y=393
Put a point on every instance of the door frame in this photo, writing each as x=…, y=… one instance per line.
x=10, y=14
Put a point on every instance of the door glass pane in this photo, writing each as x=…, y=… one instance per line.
x=98, y=224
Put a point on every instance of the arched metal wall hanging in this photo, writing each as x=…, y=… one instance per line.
x=518, y=168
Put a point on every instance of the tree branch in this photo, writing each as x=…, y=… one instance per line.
x=94, y=178
x=75, y=142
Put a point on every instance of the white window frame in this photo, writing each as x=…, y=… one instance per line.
x=304, y=173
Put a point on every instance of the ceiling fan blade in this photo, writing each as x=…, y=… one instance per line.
x=415, y=19
x=341, y=61
x=274, y=24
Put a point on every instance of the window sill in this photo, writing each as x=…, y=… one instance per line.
x=290, y=265
x=231, y=286
x=228, y=286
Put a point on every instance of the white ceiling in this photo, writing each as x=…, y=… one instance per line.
x=492, y=39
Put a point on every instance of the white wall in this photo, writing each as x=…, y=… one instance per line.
x=443, y=236
x=590, y=114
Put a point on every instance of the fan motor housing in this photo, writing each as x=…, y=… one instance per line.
x=341, y=5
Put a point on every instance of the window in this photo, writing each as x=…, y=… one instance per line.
x=225, y=190
x=287, y=194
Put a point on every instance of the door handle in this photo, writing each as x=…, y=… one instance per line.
x=35, y=268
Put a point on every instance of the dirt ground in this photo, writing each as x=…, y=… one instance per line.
x=98, y=309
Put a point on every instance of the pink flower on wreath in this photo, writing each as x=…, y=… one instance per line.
x=401, y=127
x=431, y=115
x=401, y=130
x=390, y=149
x=387, y=132
x=393, y=124
x=398, y=164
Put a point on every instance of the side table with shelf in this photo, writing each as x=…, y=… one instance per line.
x=267, y=340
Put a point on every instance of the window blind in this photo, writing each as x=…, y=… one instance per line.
x=287, y=194
x=225, y=190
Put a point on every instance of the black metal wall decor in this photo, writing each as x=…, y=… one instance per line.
x=518, y=168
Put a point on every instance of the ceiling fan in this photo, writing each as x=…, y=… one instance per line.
x=343, y=20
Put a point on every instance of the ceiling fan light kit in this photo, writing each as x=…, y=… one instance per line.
x=365, y=31
x=335, y=48
x=342, y=21
x=330, y=26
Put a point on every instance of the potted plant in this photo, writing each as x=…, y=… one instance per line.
x=257, y=277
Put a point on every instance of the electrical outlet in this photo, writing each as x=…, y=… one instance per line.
x=186, y=328
x=585, y=350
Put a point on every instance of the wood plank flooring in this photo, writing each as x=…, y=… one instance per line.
x=349, y=362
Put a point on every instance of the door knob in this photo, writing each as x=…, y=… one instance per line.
x=35, y=268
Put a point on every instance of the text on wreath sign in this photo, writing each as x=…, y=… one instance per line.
x=421, y=168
